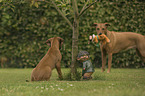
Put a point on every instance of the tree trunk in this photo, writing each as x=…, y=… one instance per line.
x=74, y=48
x=75, y=40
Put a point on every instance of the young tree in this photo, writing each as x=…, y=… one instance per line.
x=74, y=25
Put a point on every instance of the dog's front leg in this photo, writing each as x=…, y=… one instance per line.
x=58, y=68
x=104, y=57
x=109, y=62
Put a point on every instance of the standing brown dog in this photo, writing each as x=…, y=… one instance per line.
x=119, y=41
x=51, y=60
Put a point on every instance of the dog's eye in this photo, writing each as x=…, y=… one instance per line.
x=103, y=28
x=98, y=28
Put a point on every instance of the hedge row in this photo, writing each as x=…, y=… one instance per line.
x=24, y=30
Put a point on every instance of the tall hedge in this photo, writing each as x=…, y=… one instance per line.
x=24, y=30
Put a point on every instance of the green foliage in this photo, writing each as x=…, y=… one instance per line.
x=25, y=28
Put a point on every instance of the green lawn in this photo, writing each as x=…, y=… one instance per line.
x=120, y=82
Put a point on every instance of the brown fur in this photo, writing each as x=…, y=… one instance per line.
x=51, y=60
x=119, y=41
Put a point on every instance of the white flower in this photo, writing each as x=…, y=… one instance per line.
x=71, y=85
x=61, y=89
x=42, y=87
x=46, y=88
x=37, y=87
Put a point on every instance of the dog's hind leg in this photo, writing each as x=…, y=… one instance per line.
x=32, y=78
x=47, y=74
x=32, y=75
x=141, y=54
x=104, y=58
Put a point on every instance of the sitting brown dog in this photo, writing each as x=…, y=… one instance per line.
x=51, y=60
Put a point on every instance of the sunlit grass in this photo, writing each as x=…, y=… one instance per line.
x=120, y=82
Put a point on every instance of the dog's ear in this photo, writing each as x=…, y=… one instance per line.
x=94, y=25
x=61, y=41
x=106, y=24
x=48, y=42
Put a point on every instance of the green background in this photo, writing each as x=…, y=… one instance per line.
x=25, y=28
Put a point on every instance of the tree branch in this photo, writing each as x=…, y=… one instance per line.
x=84, y=6
x=61, y=14
x=84, y=9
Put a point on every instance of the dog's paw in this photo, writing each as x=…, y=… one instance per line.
x=108, y=71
